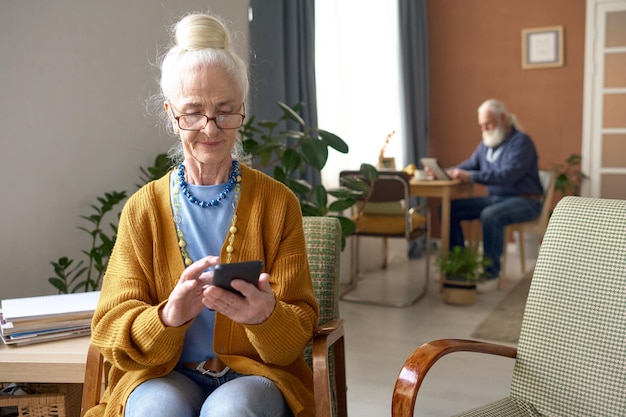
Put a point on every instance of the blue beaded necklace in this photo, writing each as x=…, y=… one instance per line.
x=181, y=185
x=216, y=201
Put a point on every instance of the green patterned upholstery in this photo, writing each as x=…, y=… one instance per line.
x=323, y=242
x=571, y=358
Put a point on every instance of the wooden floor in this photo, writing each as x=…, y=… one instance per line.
x=378, y=339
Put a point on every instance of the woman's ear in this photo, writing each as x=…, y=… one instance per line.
x=170, y=113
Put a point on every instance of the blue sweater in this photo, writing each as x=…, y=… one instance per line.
x=510, y=169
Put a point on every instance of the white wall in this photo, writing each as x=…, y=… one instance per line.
x=74, y=77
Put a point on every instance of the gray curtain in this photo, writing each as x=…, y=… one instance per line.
x=415, y=79
x=282, y=61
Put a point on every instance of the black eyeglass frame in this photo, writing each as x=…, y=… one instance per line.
x=208, y=119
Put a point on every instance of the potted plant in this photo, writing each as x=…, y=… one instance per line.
x=569, y=177
x=462, y=267
x=73, y=277
x=289, y=145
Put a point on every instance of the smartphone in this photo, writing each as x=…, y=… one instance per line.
x=249, y=271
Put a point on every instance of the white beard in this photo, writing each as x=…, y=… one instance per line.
x=493, y=138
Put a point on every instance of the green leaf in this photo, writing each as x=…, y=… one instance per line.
x=334, y=141
x=314, y=152
x=290, y=161
x=291, y=114
x=347, y=226
x=320, y=197
x=58, y=284
x=369, y=172
x=299, y=187
x=341, y=205
x=280, y=175
x=270, y=125
x=310, y=208
x=345, y=193
x=293, y=134
x=355, y=183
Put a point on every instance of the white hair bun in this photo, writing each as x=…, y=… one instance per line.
x=200, y=31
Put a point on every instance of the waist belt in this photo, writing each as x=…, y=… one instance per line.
x=213, y=367
x=532, y=196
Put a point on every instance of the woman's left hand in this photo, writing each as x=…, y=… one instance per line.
x=254, y=307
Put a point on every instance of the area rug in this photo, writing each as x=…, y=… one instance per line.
x=504, y=322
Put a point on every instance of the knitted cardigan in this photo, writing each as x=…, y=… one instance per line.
x=146, y=264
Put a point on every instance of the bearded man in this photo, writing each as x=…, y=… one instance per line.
x=506, y=162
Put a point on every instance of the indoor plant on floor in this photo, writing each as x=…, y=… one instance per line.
x=462, y=267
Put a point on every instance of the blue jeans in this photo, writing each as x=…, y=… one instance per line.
x=494, y=212
x=187, y=393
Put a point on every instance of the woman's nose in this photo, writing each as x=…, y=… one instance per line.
x=211, y=127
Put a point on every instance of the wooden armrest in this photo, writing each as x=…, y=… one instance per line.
x=329, y=334
x=423, y=358
x=328, y=327
x=92, y=386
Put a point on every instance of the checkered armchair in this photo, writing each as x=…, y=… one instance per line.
x=571, y=356
x=325, y=353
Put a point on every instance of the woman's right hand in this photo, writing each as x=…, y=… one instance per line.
x=185, y=301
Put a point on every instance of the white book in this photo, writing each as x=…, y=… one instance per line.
x=16, y=310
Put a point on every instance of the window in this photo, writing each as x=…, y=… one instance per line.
x=358, y=80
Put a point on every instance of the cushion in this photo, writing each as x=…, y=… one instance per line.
x=395, y=208
x=384, y=224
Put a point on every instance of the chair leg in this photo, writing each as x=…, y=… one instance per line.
x=340, y=378
x=522, y=251
x=507, y=236
x=385, y=253
x=474, y=234
x=354, y=265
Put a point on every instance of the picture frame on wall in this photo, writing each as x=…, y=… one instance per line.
x=542, y=47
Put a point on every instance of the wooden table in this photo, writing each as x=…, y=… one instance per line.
x=61, y=361
x=445, y=190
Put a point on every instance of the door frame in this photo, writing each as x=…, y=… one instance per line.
x=593, y=92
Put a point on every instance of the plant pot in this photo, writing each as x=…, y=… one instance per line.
x=459, y=292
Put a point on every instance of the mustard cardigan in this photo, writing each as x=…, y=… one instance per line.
x=146, y=264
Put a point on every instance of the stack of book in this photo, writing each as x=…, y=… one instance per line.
x=38, y=319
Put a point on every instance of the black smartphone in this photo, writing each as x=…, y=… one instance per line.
x=249, y=271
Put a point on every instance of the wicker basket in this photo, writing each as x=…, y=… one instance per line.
x=49, y=400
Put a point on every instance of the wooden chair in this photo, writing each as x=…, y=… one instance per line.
x=537, y=226
x=387, y=214
x=571, y=356
x=325, y=353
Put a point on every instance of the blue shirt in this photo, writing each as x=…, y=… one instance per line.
x=204, y=230
x=510, y=169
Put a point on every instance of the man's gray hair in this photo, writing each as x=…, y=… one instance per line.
x=497, y=108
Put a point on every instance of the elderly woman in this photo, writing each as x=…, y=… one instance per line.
x=178, y=345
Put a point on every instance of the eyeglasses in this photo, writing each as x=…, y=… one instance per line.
x=198, y=121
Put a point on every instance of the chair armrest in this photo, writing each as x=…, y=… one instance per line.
x=328, y=328
x=92, y=386
x=330, y=334
x=423, y=358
